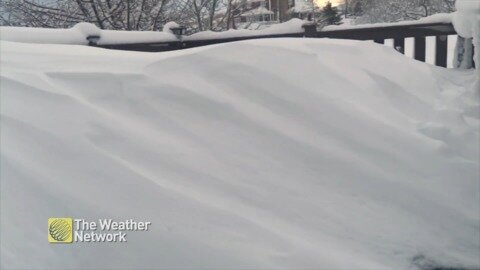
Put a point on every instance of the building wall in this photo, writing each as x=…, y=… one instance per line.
x=284, y=5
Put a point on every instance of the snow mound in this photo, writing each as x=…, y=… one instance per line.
x=78, y=34
x=167, y=28
x=75, y=35
x=467, y=18
x=86, y=29
x=287, y=154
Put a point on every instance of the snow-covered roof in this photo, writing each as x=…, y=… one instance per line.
x=257, y=25
x=301, y=6
x=258, y=11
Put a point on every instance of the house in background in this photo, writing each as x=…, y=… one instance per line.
x=254, y=11
x=257, y=14
x=303, y=9
x=257, y=11
x=281, y=7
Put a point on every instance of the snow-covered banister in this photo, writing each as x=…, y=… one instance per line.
x=439, y=26
x=88, y=34
x=293, y=28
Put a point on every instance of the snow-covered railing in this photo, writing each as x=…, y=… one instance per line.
x=439, y=27
x=86, y=34
x=292, y=28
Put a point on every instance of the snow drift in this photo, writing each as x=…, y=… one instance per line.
x=285, y=153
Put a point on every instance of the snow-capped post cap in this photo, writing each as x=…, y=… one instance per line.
x=174, y=28
x=310, y=29
x=90, y=31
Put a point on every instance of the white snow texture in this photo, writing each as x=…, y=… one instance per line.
x=79, y=33
x=264, y=154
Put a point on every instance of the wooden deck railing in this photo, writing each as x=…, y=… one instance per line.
x=419, y=32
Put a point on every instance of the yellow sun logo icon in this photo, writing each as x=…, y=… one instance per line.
x=60, y=230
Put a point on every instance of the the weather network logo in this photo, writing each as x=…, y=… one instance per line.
x=70, y=230
x=60, y=230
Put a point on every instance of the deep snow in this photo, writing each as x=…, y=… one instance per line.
x=265, y=154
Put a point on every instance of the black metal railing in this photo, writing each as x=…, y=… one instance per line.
x=399, y=33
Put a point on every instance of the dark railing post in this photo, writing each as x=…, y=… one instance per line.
x=472, y=55
x=419, y=53
x=399, y=45
x=379, y=40
x=310, y=29
x=464, y=53
x=93, y=40
x=441, y=46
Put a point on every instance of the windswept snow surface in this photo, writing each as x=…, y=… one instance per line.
x=264, y=154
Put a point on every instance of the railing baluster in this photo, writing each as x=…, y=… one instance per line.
x=419, y=53
x=441, y=46
x=473, y=61
x=399, y=45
